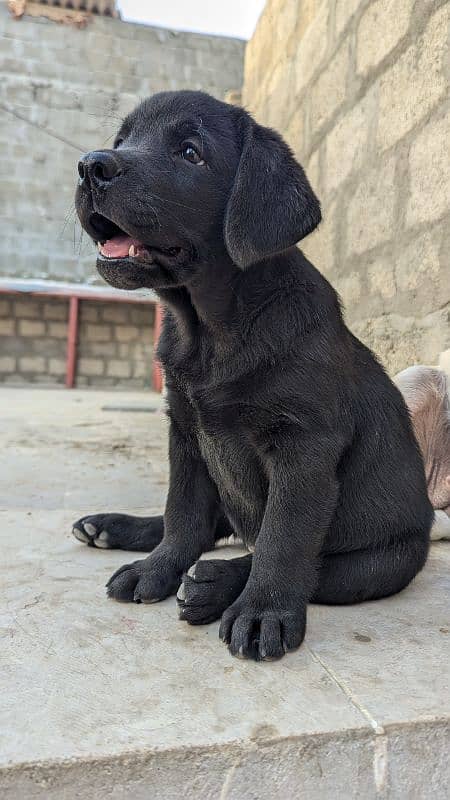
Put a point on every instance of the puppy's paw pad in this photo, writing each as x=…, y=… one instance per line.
x=91, y=532
x=102, y=540
x=81, y=535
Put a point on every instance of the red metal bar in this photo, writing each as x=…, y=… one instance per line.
x=157, y=371
x=72, y=338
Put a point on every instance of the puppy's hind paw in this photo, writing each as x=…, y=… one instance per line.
x=90, y=531
x=209, y=587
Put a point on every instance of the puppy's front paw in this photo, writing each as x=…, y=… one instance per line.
x=262, y=633
x=145, y=581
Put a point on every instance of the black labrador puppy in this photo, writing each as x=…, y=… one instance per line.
x=284, y=429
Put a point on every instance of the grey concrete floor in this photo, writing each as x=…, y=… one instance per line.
x=100, y=699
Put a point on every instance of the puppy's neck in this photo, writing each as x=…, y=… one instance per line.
x=221, y=298
x=209, y=297
x=214, y=291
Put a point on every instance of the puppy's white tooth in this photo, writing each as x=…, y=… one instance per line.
x=181, y=594
x=99, y=247
x=132, y=251
x=90, y=530
x=191, y=571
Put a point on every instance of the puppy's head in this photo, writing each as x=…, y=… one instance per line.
x=189, y=179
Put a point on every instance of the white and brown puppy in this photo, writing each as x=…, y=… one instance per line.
x=426, y=391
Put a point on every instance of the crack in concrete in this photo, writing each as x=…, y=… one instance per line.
x=378, y=729
x=380, y=742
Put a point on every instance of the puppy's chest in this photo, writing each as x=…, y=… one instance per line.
x=229, y=459
x=226, y=440
x=237, y=472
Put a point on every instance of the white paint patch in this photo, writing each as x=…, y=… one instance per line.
x=380, y=762
x=227, y=782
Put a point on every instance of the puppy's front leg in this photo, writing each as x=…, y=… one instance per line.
x=269, y=617
x=189, y=523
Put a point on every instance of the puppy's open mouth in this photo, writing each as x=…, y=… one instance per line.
x=116, y=245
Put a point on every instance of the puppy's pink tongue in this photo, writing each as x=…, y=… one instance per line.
x=118, y=247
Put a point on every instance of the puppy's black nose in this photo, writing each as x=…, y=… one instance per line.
x=99, y=166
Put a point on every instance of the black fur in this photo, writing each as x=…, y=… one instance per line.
x=284, y=429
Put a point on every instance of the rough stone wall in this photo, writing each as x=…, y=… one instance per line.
x=62, y=91
x=359, y=88
x=115, y=342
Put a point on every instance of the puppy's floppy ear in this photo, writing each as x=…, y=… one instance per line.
x=272, y=205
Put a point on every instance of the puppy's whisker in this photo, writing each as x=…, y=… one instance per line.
x=80, y=242
x=70, y=215
x=108, y=139
x=105, y=116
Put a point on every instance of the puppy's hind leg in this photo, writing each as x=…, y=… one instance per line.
x=370, y=574
x=124, y=532
x=209, y=587
x=120, y=531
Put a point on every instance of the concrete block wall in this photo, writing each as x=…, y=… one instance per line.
x=63, y=91
x=116, y=345
x=115, y=342
x=359, y=88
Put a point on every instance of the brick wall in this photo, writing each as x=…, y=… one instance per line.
x=359, y=88
x=63, y=91
x=115, y=347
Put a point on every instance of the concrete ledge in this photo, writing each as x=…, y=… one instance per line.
x=409, y=761
x=350, y=765
x=81, y=290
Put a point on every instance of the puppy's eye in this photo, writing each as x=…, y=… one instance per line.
x=118, y=142
x=191, y=154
